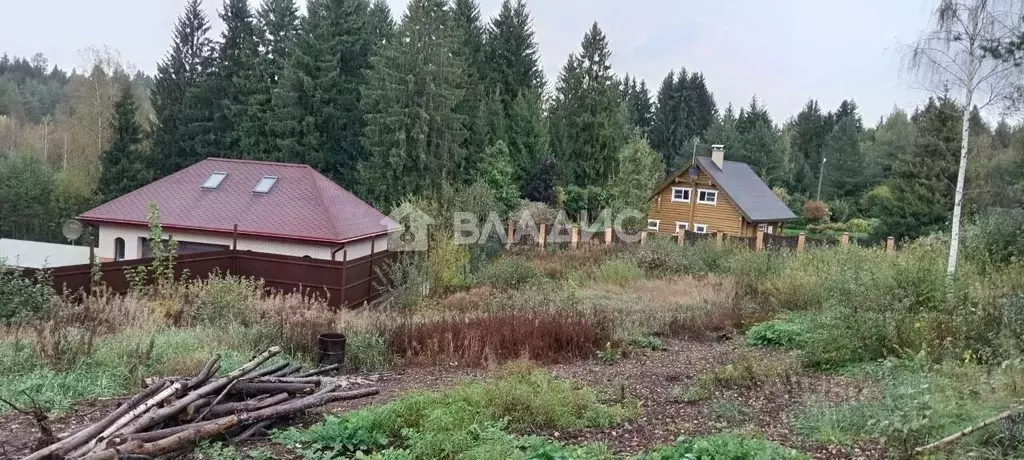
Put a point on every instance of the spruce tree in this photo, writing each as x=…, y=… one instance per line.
x=123, y=166
x=318, y=118
x=180, y=75
x=809, y=131
x=667, y=114
x=527, y=129
x=469, y=31
x=637, y=98
x=237, y=79
x=277, y=30
x=513, y=56
x=591, y=121
x=846, y=169
x=381, y=24
x=760, y=144
x=414, y=131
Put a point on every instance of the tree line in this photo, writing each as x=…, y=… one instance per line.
x=444, y=97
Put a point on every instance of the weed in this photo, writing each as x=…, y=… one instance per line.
x=548, y=336
x=618, y=273
x=647, y=342
x=920, y=404
x=510, y=273
x=788, y=332
x=728, y=412
x=724, y=446
x=216, y=451
x=745, y=371
x=471, y=420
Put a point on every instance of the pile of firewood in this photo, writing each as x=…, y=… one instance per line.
x=173, y=414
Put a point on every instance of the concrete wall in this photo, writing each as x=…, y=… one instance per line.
x=133, y=236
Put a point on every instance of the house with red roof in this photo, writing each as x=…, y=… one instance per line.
x=213, y=205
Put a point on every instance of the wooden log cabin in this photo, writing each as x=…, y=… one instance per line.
x=711, y=195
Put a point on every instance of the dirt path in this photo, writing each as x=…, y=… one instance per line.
x=656, y=377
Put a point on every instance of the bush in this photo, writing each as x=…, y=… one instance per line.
x=840, y=210
x=225, y=299
x=509, y=274
x=815, y=211
x=789, y=332
x=861, y=225
x=996, y=238
x=724, y=446
x=744, y=371
x=21, y=297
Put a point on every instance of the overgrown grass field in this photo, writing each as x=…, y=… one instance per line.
x=943, y=353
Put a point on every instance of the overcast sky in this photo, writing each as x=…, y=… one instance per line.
x=784, y=51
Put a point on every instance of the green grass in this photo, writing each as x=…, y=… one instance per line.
x=724, y=446
x=118, y=363
x=919, y=405
x=471, y=420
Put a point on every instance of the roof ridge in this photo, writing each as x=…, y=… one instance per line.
x=269, y=163
x=323, y=198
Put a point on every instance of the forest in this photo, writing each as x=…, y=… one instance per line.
x=444, y=98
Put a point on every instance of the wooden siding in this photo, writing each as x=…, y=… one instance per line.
x=722, y=217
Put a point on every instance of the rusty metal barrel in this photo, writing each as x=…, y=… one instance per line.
x=330, y=349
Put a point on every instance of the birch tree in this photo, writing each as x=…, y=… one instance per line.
x=951, y=56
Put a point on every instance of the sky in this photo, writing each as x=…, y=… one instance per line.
x=783, y=51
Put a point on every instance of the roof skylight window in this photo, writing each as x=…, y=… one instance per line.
x=265, y=184
x=214, y=180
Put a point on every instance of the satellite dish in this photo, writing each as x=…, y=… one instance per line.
x=72, y=229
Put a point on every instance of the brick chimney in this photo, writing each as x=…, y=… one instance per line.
x=718, y=155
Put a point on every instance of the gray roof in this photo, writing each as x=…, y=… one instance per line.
x=744, y=187
x=756, y=201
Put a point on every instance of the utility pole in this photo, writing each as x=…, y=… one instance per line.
x=821, y=174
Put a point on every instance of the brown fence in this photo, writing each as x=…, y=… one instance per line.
x=546, y=236
x=341, y=283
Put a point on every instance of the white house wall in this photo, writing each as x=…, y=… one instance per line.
x=133, y=236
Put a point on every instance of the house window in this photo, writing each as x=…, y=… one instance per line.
x=680, y=194
x=707, y=197
x=766, y=228
x=653, y=224
x=265, y=184
x=214, y=180
x=682, y=227
x=118, y=248
x=700, y=228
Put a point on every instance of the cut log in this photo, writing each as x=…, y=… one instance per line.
x=209, y=389
x=207, y=372
x=86, y=434
x=129, y=417
x=267, y=371
x=320, y=371
x=293, y=369
x=214, y=428
x=254, y=389
x=247, y=406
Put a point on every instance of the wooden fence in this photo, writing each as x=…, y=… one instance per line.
x=544, y=236
x=350, y=282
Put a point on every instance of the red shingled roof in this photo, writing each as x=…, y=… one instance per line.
x=302, y=205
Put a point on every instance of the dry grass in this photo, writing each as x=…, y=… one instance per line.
x=692, y=307
x=551, y=336
x=559, y=265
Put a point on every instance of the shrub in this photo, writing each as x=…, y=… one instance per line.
x=788, y=332
x=816, y=211
x=744, y=371
x=861, y=225
x=724, y=446
x=510, y=273
x=223, y=299
x=840, y=210
x=996, y=238
x=367, y=351
x=21, y=297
